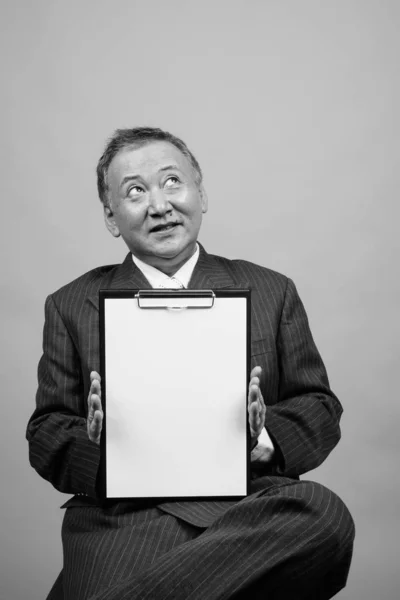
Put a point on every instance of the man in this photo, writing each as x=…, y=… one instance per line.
x=288, y=538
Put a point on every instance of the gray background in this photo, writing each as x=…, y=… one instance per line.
x=292, y=110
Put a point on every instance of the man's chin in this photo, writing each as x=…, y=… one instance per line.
x=170, y=251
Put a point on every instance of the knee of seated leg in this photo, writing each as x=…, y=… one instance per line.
x=343, y=528
x=335, y=520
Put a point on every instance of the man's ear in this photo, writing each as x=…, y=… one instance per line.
x=110, y=222
x=204, y=199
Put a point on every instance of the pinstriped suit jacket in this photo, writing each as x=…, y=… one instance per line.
x=302, y=412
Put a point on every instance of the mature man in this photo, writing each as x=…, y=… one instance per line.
x=288, y=538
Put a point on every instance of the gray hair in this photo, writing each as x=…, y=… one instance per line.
x=137, y=137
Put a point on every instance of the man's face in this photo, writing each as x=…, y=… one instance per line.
x=156, y=204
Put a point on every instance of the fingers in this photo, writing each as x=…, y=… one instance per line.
x=94, y=404
x=95, y=426
x=256, y=405
x=94, y=398
x=256, y=372
x=254, y=392
x=95, y=387
x=254, y=385
x=95, y=418
x=95, y=412
x=255, y=417
x=255, y=402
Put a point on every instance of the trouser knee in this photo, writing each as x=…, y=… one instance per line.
x=336, y=525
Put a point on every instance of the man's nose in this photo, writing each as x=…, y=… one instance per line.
x=158, y=203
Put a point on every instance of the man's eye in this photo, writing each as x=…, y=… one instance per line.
x=171, y=182
x=134, y=190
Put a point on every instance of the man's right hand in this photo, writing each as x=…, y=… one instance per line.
x=95, y=412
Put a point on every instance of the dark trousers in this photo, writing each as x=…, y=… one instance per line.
x=289, y=540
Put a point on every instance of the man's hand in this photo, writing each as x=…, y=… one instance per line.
x=256, y=406
x=95, y=412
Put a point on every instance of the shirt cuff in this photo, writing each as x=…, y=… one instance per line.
x=264, y=451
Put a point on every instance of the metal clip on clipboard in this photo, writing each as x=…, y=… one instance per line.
x=175, y=300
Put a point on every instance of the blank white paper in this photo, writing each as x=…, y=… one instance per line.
x=176, y=400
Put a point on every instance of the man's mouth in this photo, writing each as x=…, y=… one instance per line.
x=164, y=227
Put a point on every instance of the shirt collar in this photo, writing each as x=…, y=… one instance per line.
x=158, y=279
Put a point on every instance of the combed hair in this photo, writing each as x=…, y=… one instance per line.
x=137, y=137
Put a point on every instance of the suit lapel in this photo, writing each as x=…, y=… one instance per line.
x=124, y=277
x=128, y=276
x=211, y=273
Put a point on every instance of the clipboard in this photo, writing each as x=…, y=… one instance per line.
x=175, y=369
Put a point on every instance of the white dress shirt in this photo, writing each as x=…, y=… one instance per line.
x=157, y=279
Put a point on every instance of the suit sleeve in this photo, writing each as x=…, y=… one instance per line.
x=59, y=447
x=304, y=423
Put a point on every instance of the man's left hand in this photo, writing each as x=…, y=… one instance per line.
x=256, y=406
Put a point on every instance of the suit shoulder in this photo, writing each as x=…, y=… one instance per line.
x=93, y=279
x=256, y=275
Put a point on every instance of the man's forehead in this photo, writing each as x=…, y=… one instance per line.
x=146, y=159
